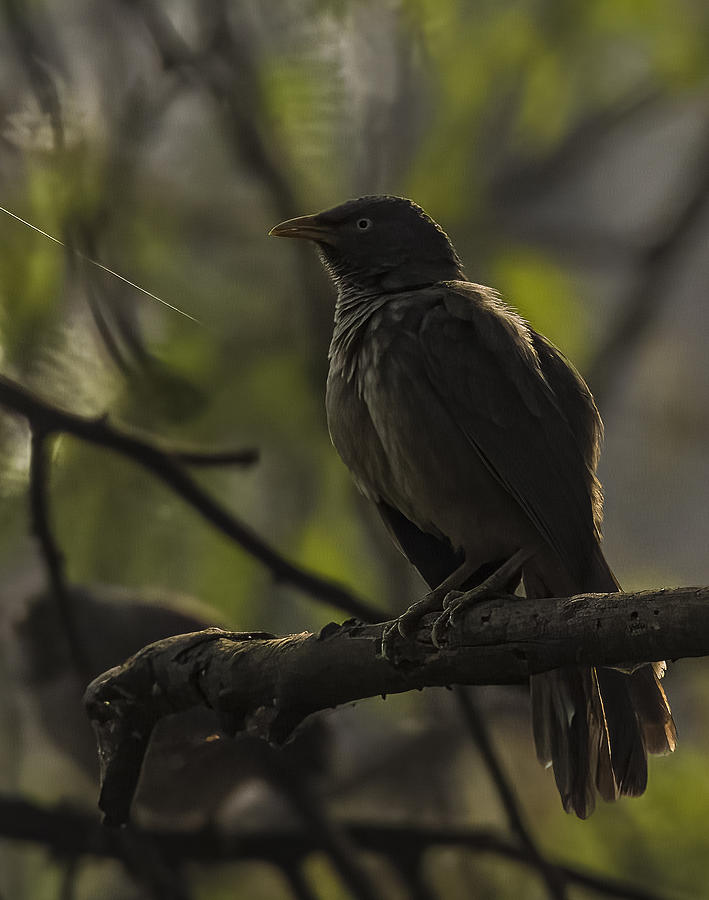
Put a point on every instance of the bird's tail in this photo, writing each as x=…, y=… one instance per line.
x=595, y=726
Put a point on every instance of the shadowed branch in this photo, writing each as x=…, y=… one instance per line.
x=72, y=833
x=167, y=465
x=269, y=685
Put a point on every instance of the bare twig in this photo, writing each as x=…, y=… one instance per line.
x=297, y=882
x=72, y=833
x=69, y=878
x=34, y=59
x=410, y=869
x=165, y=465
x=51, y=554
x=653, y=285
x=239, y=457
x=228, y=71
x=520, y=180
x=145, y=864
x=328, y=834
x=554, y=879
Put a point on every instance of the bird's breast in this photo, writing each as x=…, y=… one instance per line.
x=401, y=443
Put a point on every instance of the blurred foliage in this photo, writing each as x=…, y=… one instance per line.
x=187, y=130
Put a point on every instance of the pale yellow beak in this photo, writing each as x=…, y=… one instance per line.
x=306, y=227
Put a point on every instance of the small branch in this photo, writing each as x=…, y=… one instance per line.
x=140, y=859
x=165, y=465
x=37, y=65
x=327, y=833
x=241, y=457
x=653, y=287
x=522, y=180
x=146, y=861
x=51, y=554
x=551, y=875
x=229, y=72
x=269, y=685
x=71, y=833
x=69, y=879
x=297, y=881
x=410, y=869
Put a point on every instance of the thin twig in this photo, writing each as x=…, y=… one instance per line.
x=69, y=878
x=152, y=870
x=653, y=286
x=240, y=457
x=70, y=832
x=554, y=879
x=298, y=883
x=520, y=180
x=328, y=834
x=164, y=464
x=146, y=860
x=51, y=554
x=36, y=65
x=228, y=71
x=410, y=869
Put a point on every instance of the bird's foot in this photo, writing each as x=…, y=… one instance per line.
x=407, y=625
x=451, y=603
x=497, y=585
x=456, y=604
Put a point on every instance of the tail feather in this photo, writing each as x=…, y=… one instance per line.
x=627, y=742
x=558, y=733
x=653, y=710
x=605, y=777
x=571, y=735
x=595, y=726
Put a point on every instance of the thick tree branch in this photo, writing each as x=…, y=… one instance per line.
x=165, y=464
x=268, y=685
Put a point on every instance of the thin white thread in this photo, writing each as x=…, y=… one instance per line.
x=101, y=266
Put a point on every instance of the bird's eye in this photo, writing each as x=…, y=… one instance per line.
x=364, y=224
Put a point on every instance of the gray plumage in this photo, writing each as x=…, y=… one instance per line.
x=476, y=439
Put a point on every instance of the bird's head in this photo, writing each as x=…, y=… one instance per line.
x=376, y=244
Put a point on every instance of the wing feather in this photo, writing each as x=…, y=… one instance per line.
x=482, y=363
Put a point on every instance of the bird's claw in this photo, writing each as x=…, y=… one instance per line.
x=389, y=638
x=408, y=622
x=450, y=599
x=449, y=617
x=407, y=625
x=457, y=604
x=450, y=611
x=394, y=632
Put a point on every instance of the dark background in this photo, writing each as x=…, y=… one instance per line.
x=564, y=146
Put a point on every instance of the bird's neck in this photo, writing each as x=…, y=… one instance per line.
x=353, y=310
x=361, y=284
x=362, y=291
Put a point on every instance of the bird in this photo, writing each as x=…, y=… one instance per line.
x=478, y=442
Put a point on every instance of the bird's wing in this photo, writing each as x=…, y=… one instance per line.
x=434, y=557
x=481, y=361
x=579, y=408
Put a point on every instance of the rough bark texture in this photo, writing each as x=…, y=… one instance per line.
x=268, y=685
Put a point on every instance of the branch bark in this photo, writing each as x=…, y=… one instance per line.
x=269, y=685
